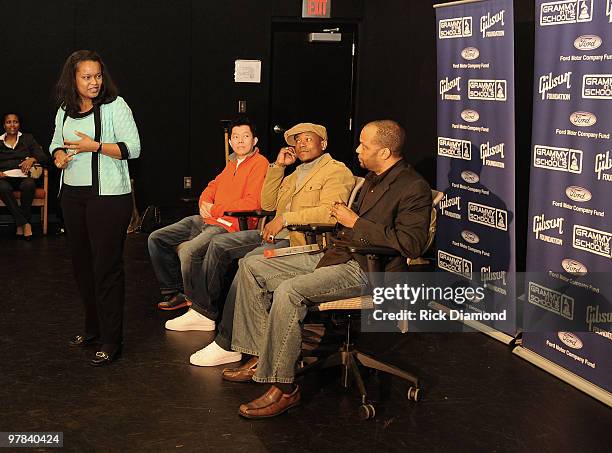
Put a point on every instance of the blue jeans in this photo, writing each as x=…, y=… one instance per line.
x=272, y=299
x=222, y=251
x=181, y=268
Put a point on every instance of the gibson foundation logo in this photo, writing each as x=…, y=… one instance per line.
x=447, y=203
x=603, y=162
x=454, y=264
x=470, y=177
x=574, y=267
x=457, y=27
x=570, y=339
x=549, y=82
x=487, y=151
x=487, y=215
x=470, y=116
x=592, y=241
x=493, y=279
x=486, y=275
x=448, y=85
x=587, y=42
x=470, y=53
x=594, y=316
x=597, y=86
x=583, y=119
x=577, y=193
x=470, y=236
x=454, y=148
x=551, y=300
x=540, y=223
x=489, y=21
x=558, y=159
x=487, y=90
x=566, y=12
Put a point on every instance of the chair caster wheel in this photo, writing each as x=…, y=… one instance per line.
x=366, y=411
x=413, y=394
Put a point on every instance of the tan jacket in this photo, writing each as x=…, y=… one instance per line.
x=327, y=182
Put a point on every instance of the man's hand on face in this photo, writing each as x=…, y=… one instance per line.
x=272, y=229
x=286, y=156
x=343, y=214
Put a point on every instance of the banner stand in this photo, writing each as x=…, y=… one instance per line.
x=487, y=330
x=566, y=376
x=475, y=237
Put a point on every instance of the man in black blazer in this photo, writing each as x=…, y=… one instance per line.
x=392, y=210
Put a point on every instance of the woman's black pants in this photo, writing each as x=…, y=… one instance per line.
x=96, y=227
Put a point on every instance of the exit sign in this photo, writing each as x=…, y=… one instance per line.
x=316, y=8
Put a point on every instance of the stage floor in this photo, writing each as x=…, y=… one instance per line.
x=477, y=396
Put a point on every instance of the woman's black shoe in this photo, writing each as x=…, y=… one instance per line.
x=104, y=358
x=83, y=340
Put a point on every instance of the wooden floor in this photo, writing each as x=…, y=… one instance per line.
x=477, y=396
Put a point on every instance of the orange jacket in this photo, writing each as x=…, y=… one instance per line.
x=236, y=189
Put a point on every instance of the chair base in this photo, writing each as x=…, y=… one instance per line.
x=347, y=358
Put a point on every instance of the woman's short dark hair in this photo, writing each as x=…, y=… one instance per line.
x=243, y=121
x=66, y=92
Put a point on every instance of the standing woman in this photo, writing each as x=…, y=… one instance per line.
x=19, y=151
x=95, y=134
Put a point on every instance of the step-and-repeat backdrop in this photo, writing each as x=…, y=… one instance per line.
x=475, y=165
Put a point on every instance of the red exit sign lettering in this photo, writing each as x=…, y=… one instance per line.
x=316, y=8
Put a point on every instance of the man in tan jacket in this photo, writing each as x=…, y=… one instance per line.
x=304, y=196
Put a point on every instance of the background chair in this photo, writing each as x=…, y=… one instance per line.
x=41, y=199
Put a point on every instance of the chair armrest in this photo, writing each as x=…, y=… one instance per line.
x=382, y=251
x=243, y=216
x=317, y=228
x=253, y=213
x=376, y=257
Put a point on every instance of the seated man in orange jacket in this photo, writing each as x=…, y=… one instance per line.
x=238, y=187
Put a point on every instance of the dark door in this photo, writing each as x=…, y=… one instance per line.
x=312, y=81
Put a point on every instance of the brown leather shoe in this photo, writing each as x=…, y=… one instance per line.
x=243, y=373
x=174, y=302
x=272, y=403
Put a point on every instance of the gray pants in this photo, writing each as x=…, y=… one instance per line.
x=272, y=299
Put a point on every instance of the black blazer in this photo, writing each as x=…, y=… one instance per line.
x=396, y=214
x=26, y=147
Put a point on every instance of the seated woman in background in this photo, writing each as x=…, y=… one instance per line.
x=18, y=151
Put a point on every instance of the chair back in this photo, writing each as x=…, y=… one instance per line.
x=436, y=196
x=358, y=185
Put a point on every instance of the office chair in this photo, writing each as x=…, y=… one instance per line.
x=348, y=356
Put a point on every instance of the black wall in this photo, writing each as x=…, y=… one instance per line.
x=174, y=60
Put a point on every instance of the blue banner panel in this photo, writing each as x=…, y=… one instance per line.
x=475, y=165
x=570, y=203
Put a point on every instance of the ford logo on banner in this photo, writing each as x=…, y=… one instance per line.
x=470, y=53
x=570, y=339
x=577, y=193
x=587, y=42
x=470, y=115
x=583, y=119
x=470, y=177
x=470, y=236
x=574, y=267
